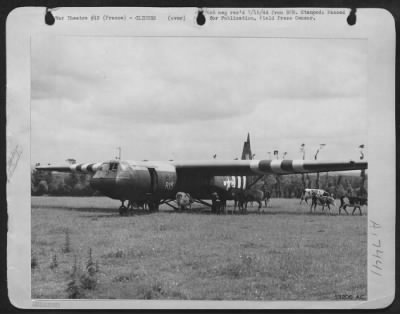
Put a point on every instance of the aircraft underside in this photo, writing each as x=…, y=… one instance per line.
x=200, y=188
x=153, y=183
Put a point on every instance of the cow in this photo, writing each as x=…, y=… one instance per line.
x=352, y=201
x=252, y=195
x=184, y=200
x=323, y=201
x=308, y=193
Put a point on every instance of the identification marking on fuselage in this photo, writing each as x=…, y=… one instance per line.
x=233, y=182
x=169, y=185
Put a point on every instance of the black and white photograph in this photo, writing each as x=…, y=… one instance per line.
x=199, y=168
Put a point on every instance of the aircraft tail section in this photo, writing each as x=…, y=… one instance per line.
x=246, y=153
x=80, y=168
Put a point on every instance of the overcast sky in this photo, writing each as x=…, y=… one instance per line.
x=191, y=98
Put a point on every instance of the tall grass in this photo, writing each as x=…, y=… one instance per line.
x=284, y=254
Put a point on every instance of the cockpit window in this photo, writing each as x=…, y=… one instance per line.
x=113, y=166
x=109, y=166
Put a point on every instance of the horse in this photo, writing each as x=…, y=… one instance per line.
x=252, y=195
x=323, y=201
x=352, y=201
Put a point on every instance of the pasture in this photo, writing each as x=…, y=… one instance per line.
x=286, y=253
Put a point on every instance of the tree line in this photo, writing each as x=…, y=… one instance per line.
x=61, y=184
x=285, y=186
x=292, y=185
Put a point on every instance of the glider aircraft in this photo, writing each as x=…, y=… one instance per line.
x=157, y=182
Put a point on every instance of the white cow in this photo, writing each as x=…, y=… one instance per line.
x=308, y=193
x=184, y=200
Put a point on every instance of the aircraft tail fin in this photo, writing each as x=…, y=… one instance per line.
x=246, y=153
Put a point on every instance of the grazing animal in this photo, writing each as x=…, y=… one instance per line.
x=184, y=200
x=308, y=194
x=352, y=201
x=322, y=201
x=218, y=203
x=252, y=195
x=267, y=198
x=239, y=198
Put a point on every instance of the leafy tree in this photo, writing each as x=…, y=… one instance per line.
x=42, y=188
x=269, y=181
x=71, y=180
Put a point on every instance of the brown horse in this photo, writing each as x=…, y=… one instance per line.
x=253, y=195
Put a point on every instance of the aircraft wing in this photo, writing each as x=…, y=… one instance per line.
x=230, y=167
x=85, y=168
x=261, y=167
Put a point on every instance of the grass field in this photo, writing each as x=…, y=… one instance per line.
x=284, y=254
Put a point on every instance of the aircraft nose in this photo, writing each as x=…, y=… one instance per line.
x=105, y=185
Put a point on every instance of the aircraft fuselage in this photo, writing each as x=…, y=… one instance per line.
x=129, y=181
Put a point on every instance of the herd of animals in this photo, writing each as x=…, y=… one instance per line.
x=242, y=198
x=323, y=198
